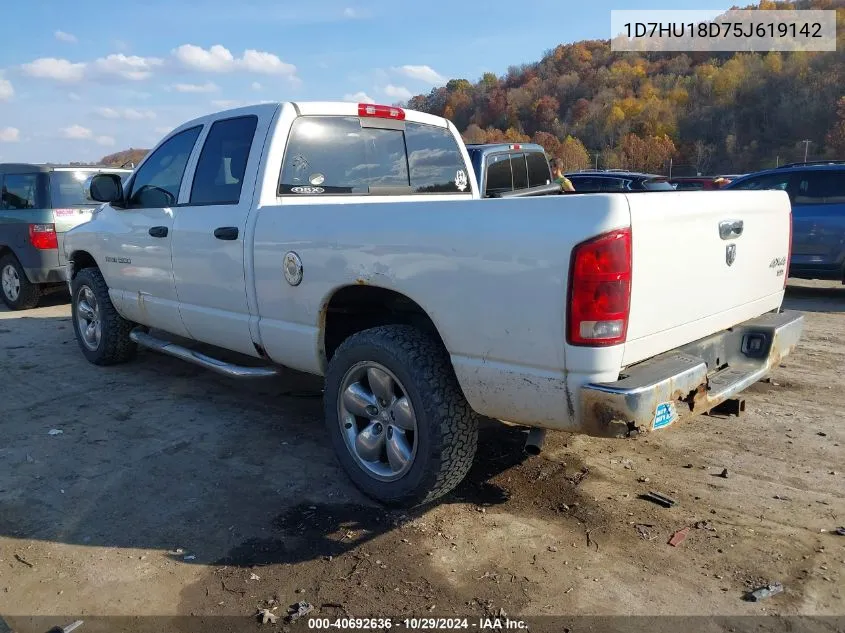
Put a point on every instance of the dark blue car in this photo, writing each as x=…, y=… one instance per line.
x=817, y=192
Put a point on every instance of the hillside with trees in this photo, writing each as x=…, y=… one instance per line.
x=118, y=159
x=706, y=112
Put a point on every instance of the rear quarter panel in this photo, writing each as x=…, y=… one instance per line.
x=14, y=235
x=491, y=274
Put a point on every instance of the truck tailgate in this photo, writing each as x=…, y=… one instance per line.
x=703, y=261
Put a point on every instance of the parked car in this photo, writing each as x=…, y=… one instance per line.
x=696, y=183
x=351, y=241
x=817, y=193
x=617, y=181
x=507, y=167
x=39, y=203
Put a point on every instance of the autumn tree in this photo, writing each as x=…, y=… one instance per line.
x=835, y=138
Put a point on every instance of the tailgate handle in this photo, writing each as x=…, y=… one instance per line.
x=730, y=229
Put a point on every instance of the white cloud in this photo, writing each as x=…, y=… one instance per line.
x=129, y=67
x=257, y=86
x=349, y=12
x=65, y=37
x=106, y=141
x=359, y=97
x=7, y=91
x=108, y=113
x=73, y=96
x=266, y=64
x=219, y=59
x=129, y=114
x=216, y=59
x=9, y=135
x=206, y=87
x=163, y=130
x=76, y=132
x=422, y=73
x=398, y=92
x=56, y=69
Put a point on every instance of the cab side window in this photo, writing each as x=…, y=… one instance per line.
x=158, y=180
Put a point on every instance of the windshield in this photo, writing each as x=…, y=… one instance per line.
x=66, y=188
x=657, y=185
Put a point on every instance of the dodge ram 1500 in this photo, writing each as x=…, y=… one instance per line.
x=350, y=241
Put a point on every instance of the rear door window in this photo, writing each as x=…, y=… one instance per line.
x=538, y=170
x=612, y=185
x=520, y=171
x=336, y=155
x=766, y=181
x=659, y=185
x=219, y=175
x=586, y=184
x=499, y=176
x=820, y=187
x=20, y=191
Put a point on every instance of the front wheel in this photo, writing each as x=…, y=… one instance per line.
x=102, y=334
x=398, y=419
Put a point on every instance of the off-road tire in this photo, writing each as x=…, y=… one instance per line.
x=29, y=294
x=447, y=434
x=115, y=345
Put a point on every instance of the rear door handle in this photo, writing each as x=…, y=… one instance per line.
x=158, y=231
x=226, y=233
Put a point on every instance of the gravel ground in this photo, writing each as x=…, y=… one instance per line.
x=158, y=488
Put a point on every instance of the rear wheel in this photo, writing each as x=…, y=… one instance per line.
x=102, y=334
x=398, y=420
x=17, y=291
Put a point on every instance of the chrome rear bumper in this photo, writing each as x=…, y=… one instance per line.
x=689, y=380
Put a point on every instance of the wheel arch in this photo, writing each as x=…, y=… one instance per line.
x=356, y=307
x=78, y=260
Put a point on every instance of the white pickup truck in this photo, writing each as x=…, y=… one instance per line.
x=350, y=241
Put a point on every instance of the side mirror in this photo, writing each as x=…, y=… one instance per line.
x=104, y=188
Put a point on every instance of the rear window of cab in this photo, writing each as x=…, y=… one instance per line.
x=338, y=155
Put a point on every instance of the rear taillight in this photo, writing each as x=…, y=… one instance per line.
x=600, y=290
x=43, y=236
x=788, y=251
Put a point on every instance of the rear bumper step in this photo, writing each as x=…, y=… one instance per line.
x=192, y=356
x=691, y=379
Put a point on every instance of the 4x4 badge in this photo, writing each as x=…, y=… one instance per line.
x=730, y=254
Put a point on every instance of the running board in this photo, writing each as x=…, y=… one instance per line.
x=221, y=367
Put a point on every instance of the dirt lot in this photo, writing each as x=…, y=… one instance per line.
x=172, y=491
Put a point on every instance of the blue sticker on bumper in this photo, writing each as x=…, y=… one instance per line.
x=664, y=415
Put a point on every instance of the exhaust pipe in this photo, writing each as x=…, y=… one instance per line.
x=534, y=441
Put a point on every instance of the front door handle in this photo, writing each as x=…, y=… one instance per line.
x=226, y=233
x=158, y=231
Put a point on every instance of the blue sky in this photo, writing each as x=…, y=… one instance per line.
x=82, y=78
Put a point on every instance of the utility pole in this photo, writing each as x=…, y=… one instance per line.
x=670, y=168
x=777, y=161
x=597, y=161
x=806, y=148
